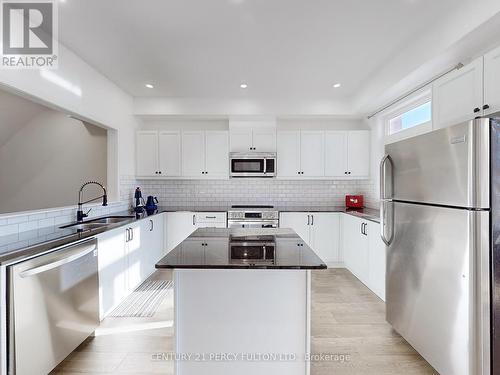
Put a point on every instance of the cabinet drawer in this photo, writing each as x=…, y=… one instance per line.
x=210, y=217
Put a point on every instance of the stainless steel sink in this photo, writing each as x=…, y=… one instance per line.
x=84, y=226
x=97, y=223
x=110, y=219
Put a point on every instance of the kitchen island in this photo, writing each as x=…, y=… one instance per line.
x=242, y=301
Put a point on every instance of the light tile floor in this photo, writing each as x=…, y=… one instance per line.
x=348, y=320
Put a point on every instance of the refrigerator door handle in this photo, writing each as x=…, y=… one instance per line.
x=383, y=177
x=384, y=224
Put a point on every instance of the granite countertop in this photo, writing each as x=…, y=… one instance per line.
x=363, y=213
x=211, y=248
x=30, y=243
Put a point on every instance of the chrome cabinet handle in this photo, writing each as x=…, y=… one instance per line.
x=131, y=234
x=194, y=219
x=127, y=235
x=308, y=219
x=312, y=219
x=152, y=225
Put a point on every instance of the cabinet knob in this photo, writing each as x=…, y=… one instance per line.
x=159, y=172
x=486, y=106
x=476, y=110
x=348, y=172
x=298, y=172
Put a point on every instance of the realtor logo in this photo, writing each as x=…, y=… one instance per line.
x=28, y=34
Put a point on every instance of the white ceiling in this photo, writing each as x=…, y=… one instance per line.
x=281, y=48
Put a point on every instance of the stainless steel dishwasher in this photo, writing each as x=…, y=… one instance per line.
x=53, y=307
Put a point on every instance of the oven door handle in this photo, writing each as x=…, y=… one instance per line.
x=265, y=165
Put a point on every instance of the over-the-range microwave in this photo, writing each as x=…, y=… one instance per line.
x=255, y=164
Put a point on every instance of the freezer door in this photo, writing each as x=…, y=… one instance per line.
x=437, y=285
x=448, y=166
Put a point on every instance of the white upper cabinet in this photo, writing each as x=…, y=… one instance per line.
x=241, y=140
x=288, y=154
x=216, y=155
x=458, y=96
x=347, y=153
x=158, y=153
x=147, y=153
x=335, y=153
x=264, y=139
x=358, y=153
x=193, y=154
x=169, y=153
x=248, y=139
x=312, y=153
x=320, y=154
x=492, y=82
x=205, y=154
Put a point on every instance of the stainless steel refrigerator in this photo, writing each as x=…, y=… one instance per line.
x=440, y=202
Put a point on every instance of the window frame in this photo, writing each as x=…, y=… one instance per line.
x=406, y=106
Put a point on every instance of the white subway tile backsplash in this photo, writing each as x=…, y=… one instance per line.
x=45, y=221
x=37, y=217
x=30, y=225
x=223, y=193
x=6, y=230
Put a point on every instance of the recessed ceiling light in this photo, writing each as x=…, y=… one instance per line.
x=336, y=85
x=149, y=85
x=243, y=85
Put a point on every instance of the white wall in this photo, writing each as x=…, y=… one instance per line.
x=46, y=160
x=77, y=88
x=376, y=151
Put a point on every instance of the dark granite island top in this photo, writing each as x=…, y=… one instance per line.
x=210, y=248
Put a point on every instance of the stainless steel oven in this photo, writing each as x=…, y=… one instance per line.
x=252, y=250
x=252, y=217
x=255, y=164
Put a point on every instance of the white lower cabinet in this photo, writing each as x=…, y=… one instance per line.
x=127, y=256
x=355, y=247
x=376, y=260
x=364, y=252
x=179, y=225
x=320, y=230
x=112, y=266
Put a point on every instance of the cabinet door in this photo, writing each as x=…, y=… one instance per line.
x=241, y=139
x=193, y=154
x=179, y=225
x=355, y=248
x=358, y=153
x=112, y=265
x=151, y=244
x=312, y=153
x=135, y=258
x=336, y=154
x=492, y=81
x=298, y=221
x=376, y=260
x=169, y=153
x=147, y=153
x=264, y=139
x=456, y=95
x=325, y=228
x=288, y=154
x=217, y=154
